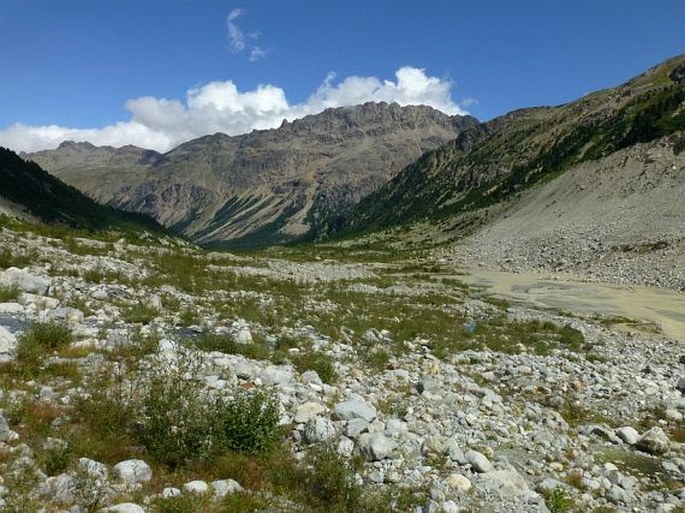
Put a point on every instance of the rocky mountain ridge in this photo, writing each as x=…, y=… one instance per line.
x=265, y=186
x=495, y=161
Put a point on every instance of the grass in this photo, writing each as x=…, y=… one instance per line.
x=316, y=361
x=40, y=339
x=140, y=314
x=9, y=293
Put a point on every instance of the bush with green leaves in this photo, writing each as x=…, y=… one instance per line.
x=557, y=500
x=317, y=361
x=42, y=338
x=182, y=422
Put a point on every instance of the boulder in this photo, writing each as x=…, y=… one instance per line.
x=25, y=281
x=376, y=446
x=628, y=434
x=459, y=483
x=198, y=487
x=478, y=462
x=318, y=429
x=353, y=409
x=132, y=471
x=93, y=469
x=653, y=441
x=223, y=487
x=507, y=484
x=307, y=411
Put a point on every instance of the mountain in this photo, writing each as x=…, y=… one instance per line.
x=268, y=186
x=28, y=191
x=494, y=162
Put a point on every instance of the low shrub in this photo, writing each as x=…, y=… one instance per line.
x=41, y=338
x=317, y=361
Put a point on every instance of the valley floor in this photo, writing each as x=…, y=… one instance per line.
x=151, y=376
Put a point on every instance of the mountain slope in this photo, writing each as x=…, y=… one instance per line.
x=497, y=160
x=264, y=187
x=26, y=189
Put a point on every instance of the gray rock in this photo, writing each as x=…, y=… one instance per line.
x=355, y=428
x=680, y=384
x=243, y=336
x=628, y=434
x=618, y=495
x=132, y=471
x=198, y=487
x=311, y=377
x=376, y=446
x=223, y=487
x=353, y=409
x=93, y=469
x=478, y=462
x=459, y=483
x=8, y=343
x=276, y=376
x=59, y=488
x=5, y=432
x=319, y=429
x=25, y=281
x=307, y=411
x=507, y=484
x=653, y=441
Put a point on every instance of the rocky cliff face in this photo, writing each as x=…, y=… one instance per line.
x=263, y=187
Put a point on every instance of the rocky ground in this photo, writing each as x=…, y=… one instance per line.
x=616, y=220
x=352, y=382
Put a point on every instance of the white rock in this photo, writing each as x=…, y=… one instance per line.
x=353, y=409
x=307, y=411
x=311, y=377
x=276, y=376
x=376, y=446
x=450, y=507
x=478, y=461
x=25, y=281
x=124, y=507
x=224, y=487
x=170, y=492
x=11, y=308
x=345, y=447
x=459, y=483
x=92, y=468
x=132, y=471
x=628, y=434
x=197, y=486
x=505, y=483
x=243, y=336
x=8, y=343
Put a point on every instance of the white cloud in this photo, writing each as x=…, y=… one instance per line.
x=235, y=35
x=239, y=41
x=161, y=124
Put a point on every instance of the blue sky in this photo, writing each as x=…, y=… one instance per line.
x=155, y=73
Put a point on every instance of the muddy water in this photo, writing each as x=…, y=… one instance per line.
x=663, y=307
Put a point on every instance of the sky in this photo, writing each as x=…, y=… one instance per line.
x=156, y=73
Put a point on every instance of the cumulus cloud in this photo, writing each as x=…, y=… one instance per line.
x=161, y=123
